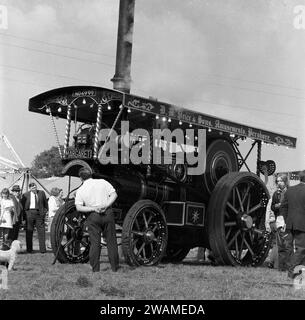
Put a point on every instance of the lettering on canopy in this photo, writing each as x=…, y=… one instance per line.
x=203, y=120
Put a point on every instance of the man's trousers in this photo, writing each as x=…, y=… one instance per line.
x=98, y=223
x=297, y=240
x=34, y=218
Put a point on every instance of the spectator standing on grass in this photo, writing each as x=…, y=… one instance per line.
x=55, y=202
x=293, y=211
x=35, y=205
x=270, y=225
x=16, y=197
x=280, y=234
x=8, y=217
x=95, y=197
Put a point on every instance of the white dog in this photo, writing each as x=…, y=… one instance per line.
x=9, y=256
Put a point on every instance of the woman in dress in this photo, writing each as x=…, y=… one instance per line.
x=55, y=201
x=8, y=216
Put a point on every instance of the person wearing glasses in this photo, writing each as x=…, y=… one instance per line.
x=280, y=233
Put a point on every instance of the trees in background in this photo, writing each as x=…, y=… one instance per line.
x=47, y=164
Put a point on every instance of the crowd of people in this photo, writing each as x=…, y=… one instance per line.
x=31, y=209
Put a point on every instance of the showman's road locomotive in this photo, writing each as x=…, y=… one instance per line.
x=173, y=194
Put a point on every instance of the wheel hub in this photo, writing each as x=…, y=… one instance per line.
x=247, y=221
x=149, y=236
x=77, y=233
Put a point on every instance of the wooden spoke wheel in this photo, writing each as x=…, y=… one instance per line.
x=69, y=236
x=220, y=160
x=236, y=216
x=144, y=234
x=175, y=254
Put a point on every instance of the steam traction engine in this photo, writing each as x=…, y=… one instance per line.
x=162, y=210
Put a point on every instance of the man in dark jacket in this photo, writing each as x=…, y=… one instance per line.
x=293, y=210
x=35, y=205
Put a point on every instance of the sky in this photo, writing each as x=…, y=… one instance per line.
x=240, y=60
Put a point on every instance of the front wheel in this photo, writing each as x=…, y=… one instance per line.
x=236, y=220
x=144, y=234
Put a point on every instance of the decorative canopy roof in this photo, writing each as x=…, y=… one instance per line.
x=84, y=100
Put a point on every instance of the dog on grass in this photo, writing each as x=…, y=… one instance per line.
x=9, y=256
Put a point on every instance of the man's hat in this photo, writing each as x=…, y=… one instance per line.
x=16, y=188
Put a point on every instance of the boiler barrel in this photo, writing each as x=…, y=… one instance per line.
x=136, y=187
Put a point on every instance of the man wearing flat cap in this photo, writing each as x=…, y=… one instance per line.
x=16, y=196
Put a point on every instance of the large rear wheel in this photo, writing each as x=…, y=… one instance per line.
x=236, y=215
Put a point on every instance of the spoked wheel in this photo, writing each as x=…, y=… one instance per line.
x=236, y=216
x=144, y=234
x=69, y=236
x=175, y=254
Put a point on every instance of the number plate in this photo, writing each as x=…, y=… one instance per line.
x=79, y=153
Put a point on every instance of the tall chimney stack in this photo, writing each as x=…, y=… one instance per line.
x=122, y=79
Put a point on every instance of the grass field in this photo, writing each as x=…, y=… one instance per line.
x=36, y=278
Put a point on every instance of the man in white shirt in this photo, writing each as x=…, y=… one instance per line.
x=96, y=197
